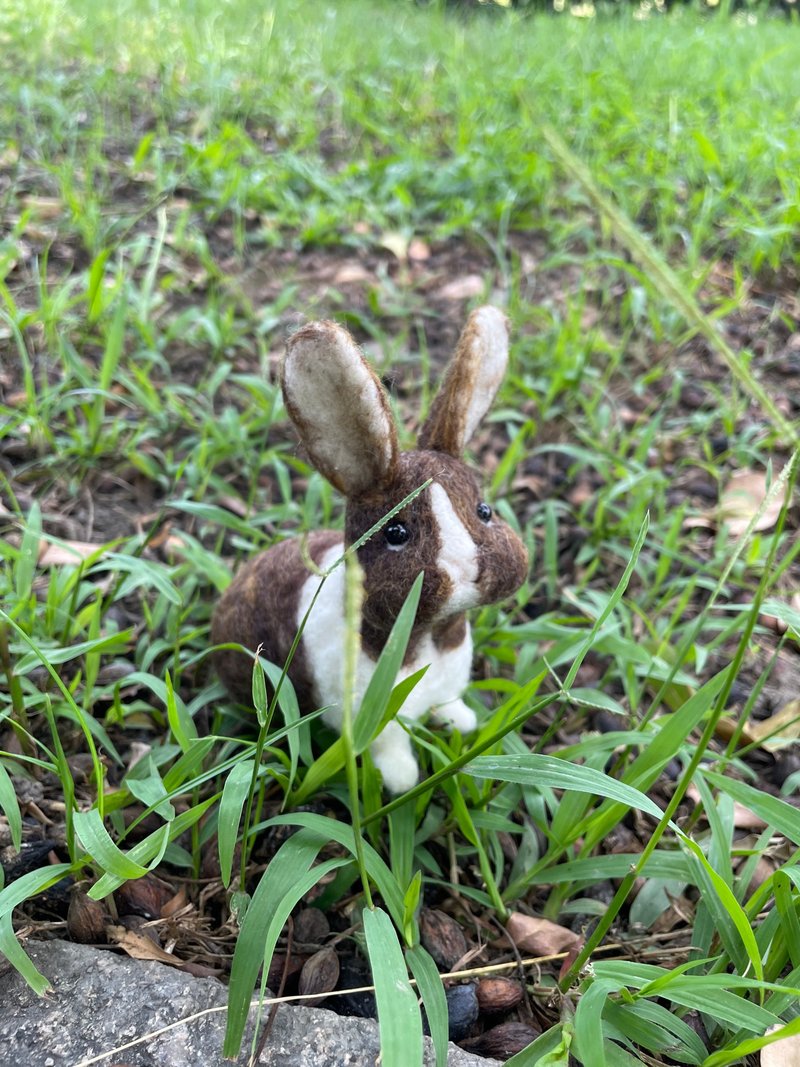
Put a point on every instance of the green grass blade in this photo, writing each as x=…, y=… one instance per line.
x=742, y=1049
x=96, y=840
x=668, y=282
x=234, y=793
x=28, y=885
x=774, y=811
x=378, y=692
x=19, y=959
x=534, y=769
x=399, y=1016
x=431, y=990
x=589, y=1034
x=550, y=1049
x=152, y=846
x=10, y=808
x=331, y=829
x=289, y=864
x=787, y=904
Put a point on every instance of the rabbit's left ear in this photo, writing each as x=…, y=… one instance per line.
x=469, y=385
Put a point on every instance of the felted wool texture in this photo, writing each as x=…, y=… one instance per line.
x=470, y=383
x=500, y=556
x=443, y=683
x=259, y=607
x=339, y=408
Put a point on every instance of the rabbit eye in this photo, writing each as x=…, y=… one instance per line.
x=484, y=512
x=396, y=534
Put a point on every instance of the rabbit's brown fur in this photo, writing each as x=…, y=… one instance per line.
x=468, y=556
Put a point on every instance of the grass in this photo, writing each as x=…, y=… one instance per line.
x=182, y=182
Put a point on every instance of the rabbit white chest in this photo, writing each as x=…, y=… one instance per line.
x=468, y=555
x=439, y=691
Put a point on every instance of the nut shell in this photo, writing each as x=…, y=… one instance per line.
x=497, y=995
x=504, y=1041
x=86, y=919
x=441, y=935
x=320, y=973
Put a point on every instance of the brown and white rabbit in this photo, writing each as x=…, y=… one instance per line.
x=469, y=556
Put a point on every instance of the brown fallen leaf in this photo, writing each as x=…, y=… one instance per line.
x=66, y=552
x=785, y=1052
x=772, y=733
x=396, y=243
x=539, y=936
x=43, y=207
x=784, y=725
x=741, y=499
x=139, y=947
x=743, y=818
x=351, y=273
x=779, y=625
x=418, y=250
x=175, y=904
x=462, y=288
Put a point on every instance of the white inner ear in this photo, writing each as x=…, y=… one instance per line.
x=492, y=342
x=339, y=408
x=458, y=555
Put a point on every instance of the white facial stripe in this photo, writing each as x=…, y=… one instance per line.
x=458, y=555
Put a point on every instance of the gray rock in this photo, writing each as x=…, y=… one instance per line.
x=102, y=1003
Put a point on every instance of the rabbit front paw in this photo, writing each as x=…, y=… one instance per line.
x=456, y=715
x=391, y=753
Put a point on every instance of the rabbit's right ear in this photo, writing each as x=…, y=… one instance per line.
x=340, y=408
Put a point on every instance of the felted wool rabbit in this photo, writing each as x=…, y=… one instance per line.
x=469, y=556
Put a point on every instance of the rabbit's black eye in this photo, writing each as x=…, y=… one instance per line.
x=396, y=533
x=484, y=512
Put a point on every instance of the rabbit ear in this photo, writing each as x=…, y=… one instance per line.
x=469, y=384
x=340, y=408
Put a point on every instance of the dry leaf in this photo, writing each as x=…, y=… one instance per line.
x=782, y=1053
x=396, y=243
x=66, y=552
x=743, y=818
x=139, y=947
x=462, y=288
x=175, y=904
x=43, y=207
x=350, y=273
x=235, y=503
x=698, y=522
x=742, y=497
x=418, y=250
x=539, y=936
x=785, y=724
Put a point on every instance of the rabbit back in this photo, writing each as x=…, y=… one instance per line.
x=260, y=607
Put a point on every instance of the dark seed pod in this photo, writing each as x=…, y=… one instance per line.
x=462, y=1010
x=441, y=935
x=504, y=1041
x=311, y=926
x=496, y=995
x=86, y=919
x=143, y=896
x=320, y=973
